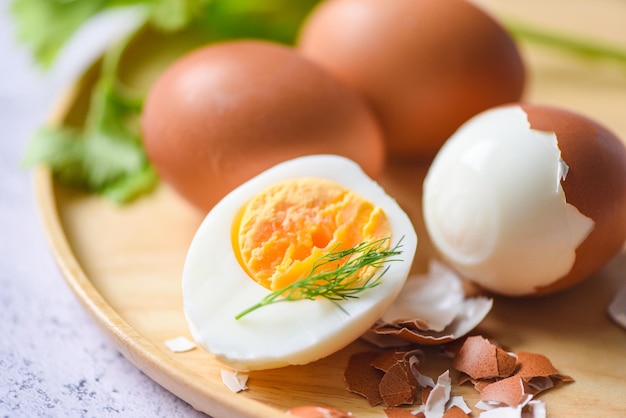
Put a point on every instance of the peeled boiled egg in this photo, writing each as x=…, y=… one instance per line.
x=527, y=199
x=274, y=230
x=225, y=112
x=424, y=66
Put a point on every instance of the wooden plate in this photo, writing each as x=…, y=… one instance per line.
x=124, y=263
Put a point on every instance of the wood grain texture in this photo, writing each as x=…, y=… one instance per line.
x=124, y=263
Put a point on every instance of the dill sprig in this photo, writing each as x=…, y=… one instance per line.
x=342, y=282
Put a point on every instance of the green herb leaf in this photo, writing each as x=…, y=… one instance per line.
x=46, y=25
x=173, y=15
x=585, y=47
x=97, y=162
x=277, y=20
x=343, y=281
x=107, y=155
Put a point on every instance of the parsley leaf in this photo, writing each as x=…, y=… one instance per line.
x=106, y=154
x=173, y=15
x=46, y=25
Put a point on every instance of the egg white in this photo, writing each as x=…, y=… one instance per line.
x=216, y=288
x=495, y=208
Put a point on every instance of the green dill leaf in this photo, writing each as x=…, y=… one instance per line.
x=342, y=281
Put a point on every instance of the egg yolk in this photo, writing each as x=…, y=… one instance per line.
x=281, y=232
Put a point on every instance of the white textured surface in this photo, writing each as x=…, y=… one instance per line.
x=53, y=359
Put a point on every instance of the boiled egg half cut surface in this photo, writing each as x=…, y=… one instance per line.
x=284, y=228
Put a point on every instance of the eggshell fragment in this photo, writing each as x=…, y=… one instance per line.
x=534, y=365
x=510, y=391
x=538, y=372
x=180, y=344
x=432, y=309
x=389, y=358
x=428, y=302
x=481, y=359
x=617, y=308
x=398, y=386
x=234, y=381
x=435, y=405
x=457, y=401
x=399, y=382
x=311, y=411
x=455, y=412
x=384, y=341
x=426, y=382
x=437, y=401
x=507, y=382
x=389, y=377
x=506, y=387
x=396, y=412
x=362, y=378
x=528, y=409
x=426, y=393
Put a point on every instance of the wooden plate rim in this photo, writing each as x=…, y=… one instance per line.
x=140, y=351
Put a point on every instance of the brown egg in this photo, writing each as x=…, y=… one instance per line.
x=226, y=112
x=527, y=199
x=595, y=185
x=425, y=66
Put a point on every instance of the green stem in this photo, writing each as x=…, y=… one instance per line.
x=586, y=47
x=110, y=96
x=342, y=282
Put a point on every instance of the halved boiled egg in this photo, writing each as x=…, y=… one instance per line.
x=280, y=230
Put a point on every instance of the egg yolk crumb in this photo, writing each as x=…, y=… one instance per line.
x=280, y=233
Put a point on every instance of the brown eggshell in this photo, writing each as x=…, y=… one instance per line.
x=397, y=412
x=454, y=412
x=312, y=411
x=388, y=359
x=595, y=185
x=414, y=336
x=533, y=365
x=510, y=391
x=481, y=359
x=398, y=385
x=363, y=379
x=426, y=393
x=425, y=66
x=226, y=112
